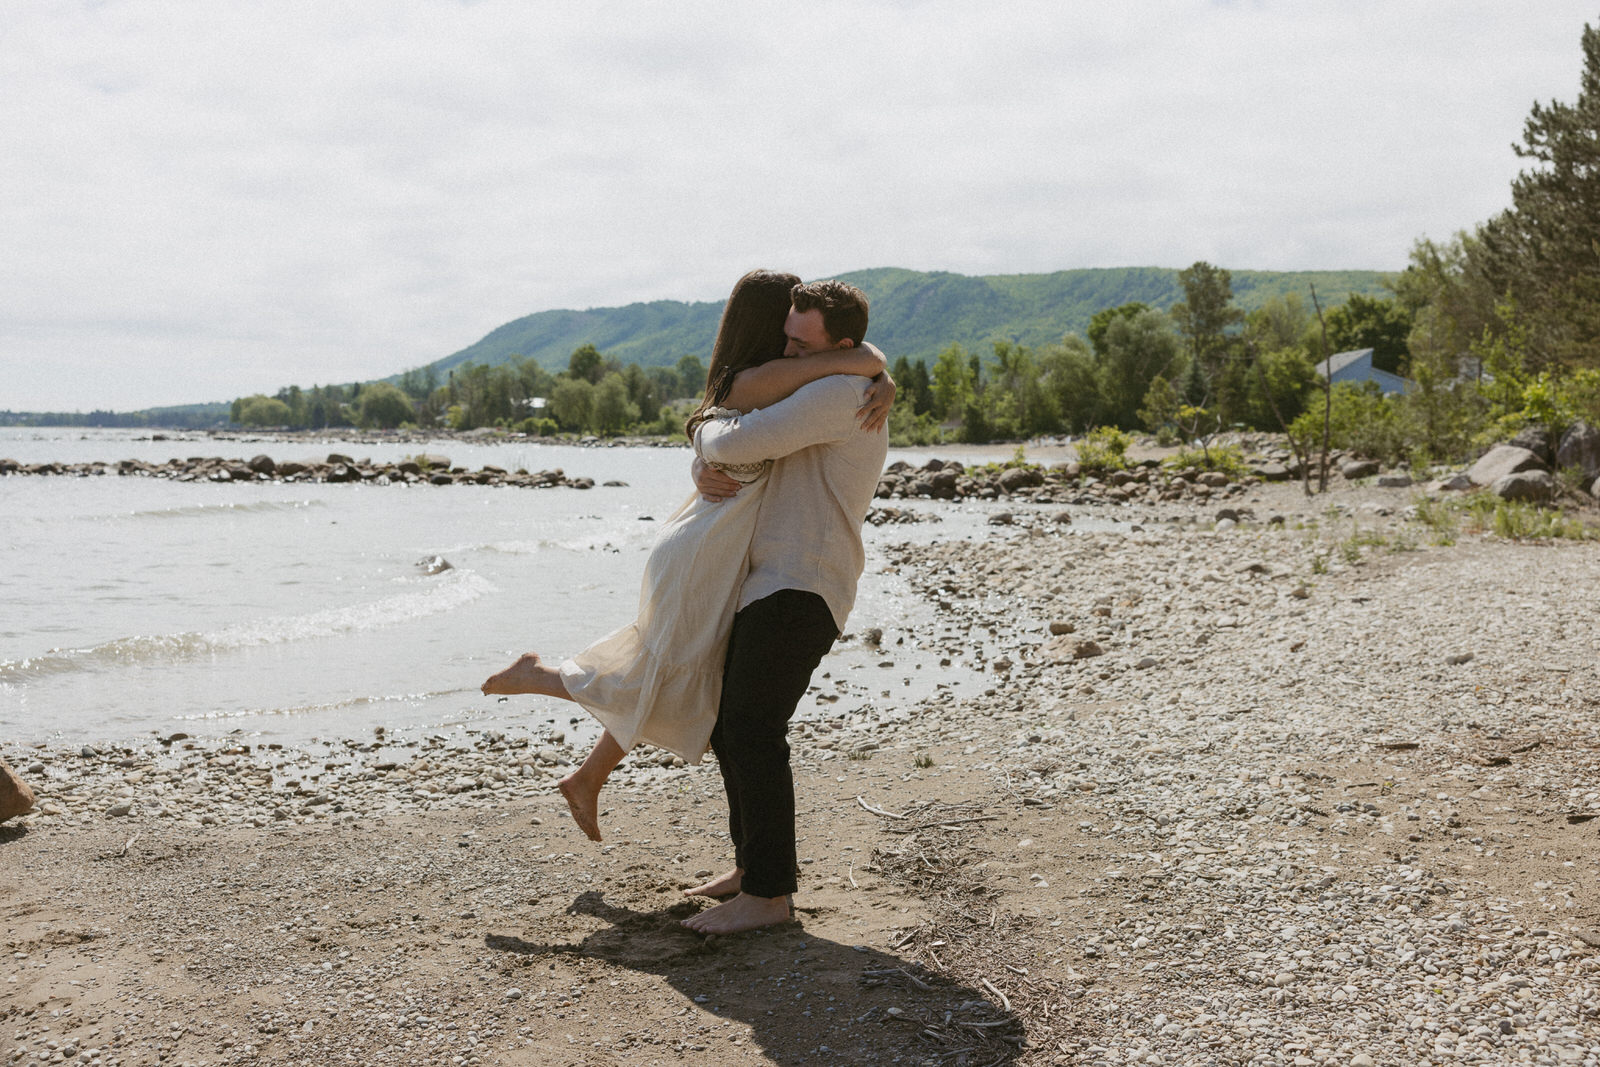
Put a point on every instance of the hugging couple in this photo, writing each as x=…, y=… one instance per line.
x=749, y=582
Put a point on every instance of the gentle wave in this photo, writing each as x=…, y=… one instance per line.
x=446, y=593
x=312, y=709
x=597, y=542
x=188, y=511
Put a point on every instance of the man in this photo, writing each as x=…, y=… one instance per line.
x=805, y=560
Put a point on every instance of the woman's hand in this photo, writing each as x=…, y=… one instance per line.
x=877, y=401
x=714, y=486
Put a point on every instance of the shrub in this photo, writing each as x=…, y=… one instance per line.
x=1361, y=420
x=1104, y=448
x=1225, y=458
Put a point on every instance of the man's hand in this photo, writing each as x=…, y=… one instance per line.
x=714, y=486
x=879, y=398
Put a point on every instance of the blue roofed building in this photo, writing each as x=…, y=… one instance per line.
x=1356, y=367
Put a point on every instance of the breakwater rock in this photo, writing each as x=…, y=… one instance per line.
x=1064, y=483
x=419, y=470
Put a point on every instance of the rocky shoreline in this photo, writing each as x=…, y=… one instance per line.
x=1217, y=790
x=423, y=469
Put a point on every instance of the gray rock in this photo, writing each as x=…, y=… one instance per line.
x=1458, y=659
x=1537, y=439
x=1213, y=479
x=1061, y=518
x=15, y=796
x=1359, y=468
x=1002, y=518
x=1397, y=480
x=1502, y=460
x=1533, y=486
x=120, y=808
x=1014, y=478
x=1271, y=472
x=1580, y=449
x=1456, y=483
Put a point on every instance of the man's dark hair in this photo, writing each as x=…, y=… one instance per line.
x=843, y=307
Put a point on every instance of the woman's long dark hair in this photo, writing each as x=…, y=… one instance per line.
x=750, y=334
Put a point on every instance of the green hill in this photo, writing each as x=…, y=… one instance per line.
x=914, y=313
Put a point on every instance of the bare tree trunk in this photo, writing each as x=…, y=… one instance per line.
x=1327, y=394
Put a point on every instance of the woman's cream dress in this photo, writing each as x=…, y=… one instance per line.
x=659, y=678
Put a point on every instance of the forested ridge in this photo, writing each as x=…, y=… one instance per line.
x=915, y=314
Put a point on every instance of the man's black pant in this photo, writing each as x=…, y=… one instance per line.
x=775, y=645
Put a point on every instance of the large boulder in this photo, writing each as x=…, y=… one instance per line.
x=263, y=464
x=1536, y=438
x=1533, y=486
x=1014, y=478
x=15, y=796
x=1271, y=472
x=942, y=485
x=1580, y=449
x=1502, y=460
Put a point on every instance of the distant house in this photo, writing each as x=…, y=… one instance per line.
x=1357, y=367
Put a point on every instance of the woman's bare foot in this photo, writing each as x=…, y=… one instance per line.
x=527, y=675
x=723, y=885
x=584, y=803
x=743, y=912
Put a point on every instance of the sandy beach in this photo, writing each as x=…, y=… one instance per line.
x=1312, y=791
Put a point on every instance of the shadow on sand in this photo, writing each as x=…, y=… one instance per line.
x=804, y=998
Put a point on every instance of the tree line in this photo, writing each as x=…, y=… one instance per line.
x=594, y=395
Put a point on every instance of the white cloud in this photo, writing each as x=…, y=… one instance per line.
x=206, y=200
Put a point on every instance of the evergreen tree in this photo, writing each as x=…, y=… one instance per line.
x=1545, y=249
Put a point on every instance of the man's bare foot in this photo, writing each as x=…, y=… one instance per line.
x=723, y=885
x=584, y=803
x=527, y=675
x=743, y=912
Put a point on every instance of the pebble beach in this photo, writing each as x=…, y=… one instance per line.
x=1301, y=786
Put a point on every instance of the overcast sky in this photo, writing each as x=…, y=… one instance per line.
x=204, y=200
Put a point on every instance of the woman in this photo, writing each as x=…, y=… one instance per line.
x=658, y=678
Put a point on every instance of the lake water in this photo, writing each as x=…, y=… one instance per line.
x=131, y=606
